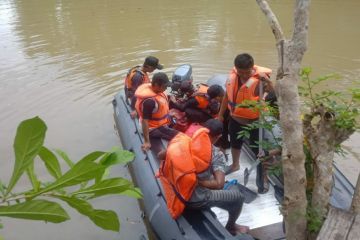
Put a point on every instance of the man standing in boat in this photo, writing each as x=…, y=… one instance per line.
x=138, y=75
x=152, y=106
x=242, y=86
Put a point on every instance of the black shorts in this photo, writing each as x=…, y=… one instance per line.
x=235, y=141
x=164, y=132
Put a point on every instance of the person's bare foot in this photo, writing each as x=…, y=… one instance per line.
x=231, y=169
x=238, y=229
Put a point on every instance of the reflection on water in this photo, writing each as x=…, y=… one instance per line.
x=64, y=60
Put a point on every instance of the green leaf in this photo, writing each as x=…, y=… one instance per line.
x=356, y=94
x=65, y=157
x=306, y=71
x=92, y=156
x=51, y=162
x=80, y=172
x=32, y=176
x=28, y=141
x=36, y=210
x=108, y=186
x=103, y=218
x=106, y=219
x=118, y=156
x=2, y=188
x=135, y=193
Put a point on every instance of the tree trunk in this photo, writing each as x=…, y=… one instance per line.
x=355, y=205
x=290, y=55
x=322, y=147
x=323, y=136
x=293, y=159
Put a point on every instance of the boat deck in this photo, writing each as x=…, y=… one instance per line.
x=261, y=213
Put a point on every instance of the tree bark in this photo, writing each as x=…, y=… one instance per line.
x=290, y=53
x=321, y=141
x=355, y=205
x=323, y=136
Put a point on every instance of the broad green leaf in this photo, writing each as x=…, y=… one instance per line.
x=65, y=157
x=36, y=210
x=108, y=186
x=135, y=193
x=92, y=156
x=28, y=141
x=106, y=219
x=118, y=156
x=32, y=176
x=102, y=218
x=80, y=172
x=51, y=162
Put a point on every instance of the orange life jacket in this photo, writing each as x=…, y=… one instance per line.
x=185, y=157
x=130, y=75
x=237, y=94
x=160, y=115
x=201, y=96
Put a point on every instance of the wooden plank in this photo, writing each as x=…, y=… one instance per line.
x=336, y=226
x=354, y=233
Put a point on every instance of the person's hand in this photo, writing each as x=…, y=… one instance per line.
x=172, y=98
x=264, y=77
x=263, y=153
x=133, y=114
x=146, y=146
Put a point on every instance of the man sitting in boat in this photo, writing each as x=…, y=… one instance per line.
x=203, y=105
x=193, y=175
x=138, y=75
x=153, y=109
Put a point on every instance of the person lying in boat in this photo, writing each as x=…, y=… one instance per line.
x=152, y=108
x=138, y=75
x=193, y=175
x=203, y=105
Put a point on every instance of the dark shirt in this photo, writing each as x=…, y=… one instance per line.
x=148, y=108
x=137, y=80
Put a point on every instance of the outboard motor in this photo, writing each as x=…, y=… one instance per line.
x=182, y=81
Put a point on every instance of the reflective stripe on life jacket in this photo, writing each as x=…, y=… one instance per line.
x=238, y=94
x=185, y=157
x=160, y=115
x=201, y=96
x=130, y=75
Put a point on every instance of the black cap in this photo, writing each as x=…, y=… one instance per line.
x=161, y=79
x=153, y=62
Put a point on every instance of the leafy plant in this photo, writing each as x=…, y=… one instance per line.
x=343, y=107
x=314, y=220
x=92, y=168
